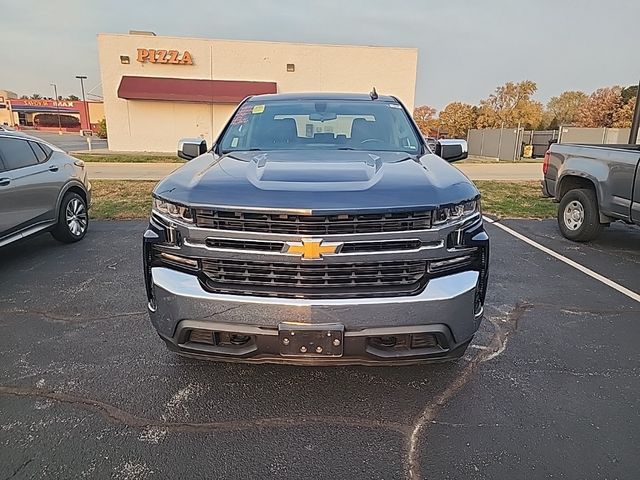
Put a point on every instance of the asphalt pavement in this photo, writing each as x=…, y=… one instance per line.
x=502, y=171
x=129, y=171
x=68, y=142
x=548, y=389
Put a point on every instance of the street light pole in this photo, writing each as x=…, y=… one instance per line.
x=82, y=78
x=55, y=93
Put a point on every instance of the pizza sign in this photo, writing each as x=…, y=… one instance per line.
x=173, y=57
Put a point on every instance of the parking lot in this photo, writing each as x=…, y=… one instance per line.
x=549, y=388
x=69, y=142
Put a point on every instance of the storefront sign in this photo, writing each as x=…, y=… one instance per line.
x=164, y=56
x=44, y=103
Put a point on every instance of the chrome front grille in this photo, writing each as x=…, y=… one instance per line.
x=348, y=247
x=294, y=224
x=254, y=245
x=383, y=246
x=314, y=280
x=374, y=255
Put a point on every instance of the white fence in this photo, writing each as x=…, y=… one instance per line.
x=594, y=135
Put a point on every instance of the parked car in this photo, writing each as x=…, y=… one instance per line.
x=318, y=229
x=41, y=189
x=7, y=128
x=594, y=185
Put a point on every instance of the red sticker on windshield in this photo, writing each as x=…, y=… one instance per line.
x=242, y=115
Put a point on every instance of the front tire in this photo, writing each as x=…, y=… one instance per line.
x=578, y=216
x=73, y=219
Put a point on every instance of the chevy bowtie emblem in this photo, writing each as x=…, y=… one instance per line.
x=311, y=248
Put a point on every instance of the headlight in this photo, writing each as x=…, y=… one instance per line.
x=172, y=210
x=457, y=212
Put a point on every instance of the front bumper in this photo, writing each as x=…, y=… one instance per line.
x=444, y=309
x=435, y=324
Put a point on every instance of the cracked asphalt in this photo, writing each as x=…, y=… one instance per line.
x=549, y=388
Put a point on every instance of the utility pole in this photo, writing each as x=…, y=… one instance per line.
x=82, y=78
x=55, y=96
x=635, y=124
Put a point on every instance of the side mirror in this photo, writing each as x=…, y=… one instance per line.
x=190, y=148
x=452, y=150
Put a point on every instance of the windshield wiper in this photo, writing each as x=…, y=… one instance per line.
x=345, y=148
x=224, y=152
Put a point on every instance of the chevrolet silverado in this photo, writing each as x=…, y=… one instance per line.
x=318, y=229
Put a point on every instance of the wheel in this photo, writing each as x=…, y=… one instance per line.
x=578, y=216
x=73, y=219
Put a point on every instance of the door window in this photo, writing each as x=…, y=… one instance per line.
x=16, y=153
x=41, y=155
x=46, y=148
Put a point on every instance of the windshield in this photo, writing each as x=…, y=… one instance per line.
x=317, y=124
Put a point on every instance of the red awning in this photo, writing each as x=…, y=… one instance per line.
x=190, y=90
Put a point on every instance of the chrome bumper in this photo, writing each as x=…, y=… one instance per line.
x=445, y=306
x=447, y=310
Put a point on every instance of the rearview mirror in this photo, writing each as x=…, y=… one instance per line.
x=452, y=150
x=322, y=117
x=189, y=148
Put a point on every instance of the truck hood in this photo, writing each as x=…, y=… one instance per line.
x=324, y=180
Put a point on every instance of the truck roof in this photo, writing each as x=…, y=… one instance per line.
x=271, y=97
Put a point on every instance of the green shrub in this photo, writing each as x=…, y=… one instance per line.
x=102, y=128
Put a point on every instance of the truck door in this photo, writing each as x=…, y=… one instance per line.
x=622, y=165
x=635, y=201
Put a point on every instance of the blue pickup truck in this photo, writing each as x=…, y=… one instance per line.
x=318, y=229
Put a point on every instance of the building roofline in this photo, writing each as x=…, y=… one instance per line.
x=264, y=42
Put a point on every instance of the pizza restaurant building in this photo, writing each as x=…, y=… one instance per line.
x=159, y=89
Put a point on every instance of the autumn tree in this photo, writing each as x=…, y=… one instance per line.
x=424, y=117
x=548, y=121
x=73, y=98
x=629, y=93
x=487, y=117
x=457, y=118
x=564, y=109
x=600, y=108
x=511, y=104
x=623, y=117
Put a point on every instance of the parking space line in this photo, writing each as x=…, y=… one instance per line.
x=610, y=283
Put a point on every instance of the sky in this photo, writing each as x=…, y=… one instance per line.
x=465, y=48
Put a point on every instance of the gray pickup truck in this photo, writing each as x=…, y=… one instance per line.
x=594, y=184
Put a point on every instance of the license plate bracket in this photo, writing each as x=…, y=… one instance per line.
x=303, y=340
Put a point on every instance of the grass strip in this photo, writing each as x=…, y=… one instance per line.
x=128, y=158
